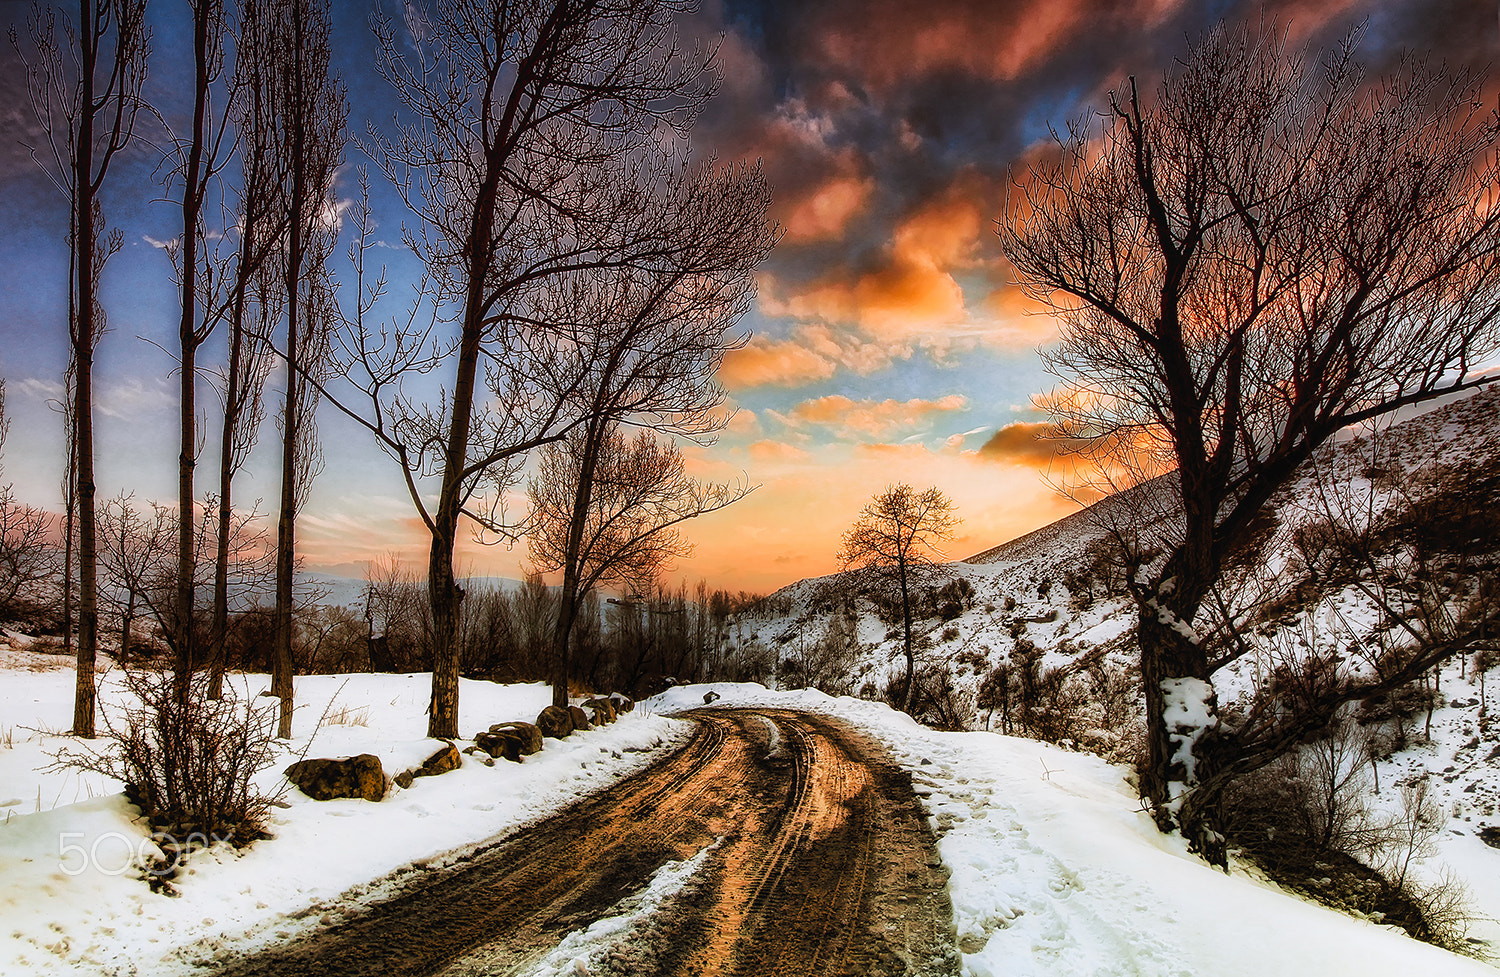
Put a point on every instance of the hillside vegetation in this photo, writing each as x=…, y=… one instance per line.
x=1388, y=537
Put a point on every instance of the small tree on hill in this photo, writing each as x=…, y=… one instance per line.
x=896, y=534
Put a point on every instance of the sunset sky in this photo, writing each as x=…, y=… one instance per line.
x=888, y=343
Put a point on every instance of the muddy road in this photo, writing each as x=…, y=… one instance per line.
x=812, y=857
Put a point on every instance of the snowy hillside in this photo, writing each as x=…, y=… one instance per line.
x=1054, y=596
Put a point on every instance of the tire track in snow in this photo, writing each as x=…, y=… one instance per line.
x=810, y=855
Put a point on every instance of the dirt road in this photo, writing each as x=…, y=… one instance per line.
x=815, y=859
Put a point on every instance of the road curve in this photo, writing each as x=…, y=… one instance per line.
x=818, y=862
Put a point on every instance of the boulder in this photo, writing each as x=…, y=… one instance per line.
x=530, y=736
x=622, y=703
x=603, y=711
x=555, y=721
x=580, y=718
x=503, y=744
x=710, y=697
x=325, y=779
x=443, y=760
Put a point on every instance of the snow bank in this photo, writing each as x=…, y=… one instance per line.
x=72, y=900
x=1056, y=872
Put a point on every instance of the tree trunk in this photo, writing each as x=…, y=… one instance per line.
x=127, y=621
x=70, y=504
x=85, y=259
x=442, y=720
x=911, y=659
x=1184, y=740
x=281, y=661
x=442, y=588
x=567, y=605
x=88, y=555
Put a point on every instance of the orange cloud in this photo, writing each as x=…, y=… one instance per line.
x=895, y=42
x=1024, y=443
x=769, y=362
x=910, y=295
x=871, y=418
x=777, y=451
x=824, y=213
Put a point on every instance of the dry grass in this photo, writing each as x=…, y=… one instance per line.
x=349, y=716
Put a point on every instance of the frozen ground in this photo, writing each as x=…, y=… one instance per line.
x=1055, y=872
x=1053, y=869
x=71, y=902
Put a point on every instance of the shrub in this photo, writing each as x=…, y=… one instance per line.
x=189, y=761
x=1305, y=821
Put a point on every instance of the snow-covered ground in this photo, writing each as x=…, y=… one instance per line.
x=1054, y=870
x=71, y=901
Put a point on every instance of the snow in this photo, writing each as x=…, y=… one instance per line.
x=1187, y=711
x=1056, y=872
x=72, y=900
x=1054, y=869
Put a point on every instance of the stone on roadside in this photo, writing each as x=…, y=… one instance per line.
x=530, y=736
x=602, y=711
x=442, y=760
x=555, y=721
x=504, y=744
x=325, y=779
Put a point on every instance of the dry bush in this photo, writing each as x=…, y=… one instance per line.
x=938, y=701
x=187, y=761
x=1307, y=821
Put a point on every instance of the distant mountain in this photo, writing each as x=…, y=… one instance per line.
x=333, y=589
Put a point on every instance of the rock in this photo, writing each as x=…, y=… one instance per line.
x=325, y=779
x=622, y=703
x=479, y=754
x=504, y=744
x=603, y=711
x=555, y=721
x=710, y=697
x=531, y=737
x=580, y=718
x=443, y=760
x=1490, y=836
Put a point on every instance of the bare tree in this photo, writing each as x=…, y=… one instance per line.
x=897, y=534
x=540, y=135
x=136, y=546
x=141, y=566
x=396, y=617
x=27, y=556
x=655, y=338
x=251, y=305
x=197, y=159
x=85, y=86
x=1273, y=250
x=608, y=512
x=310, y=109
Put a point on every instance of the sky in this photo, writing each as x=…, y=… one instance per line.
x=888, y=342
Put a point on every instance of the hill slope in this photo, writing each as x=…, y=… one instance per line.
x=1055, y=597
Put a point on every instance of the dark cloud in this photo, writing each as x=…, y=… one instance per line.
x=869, y=113
x=1023, y=443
